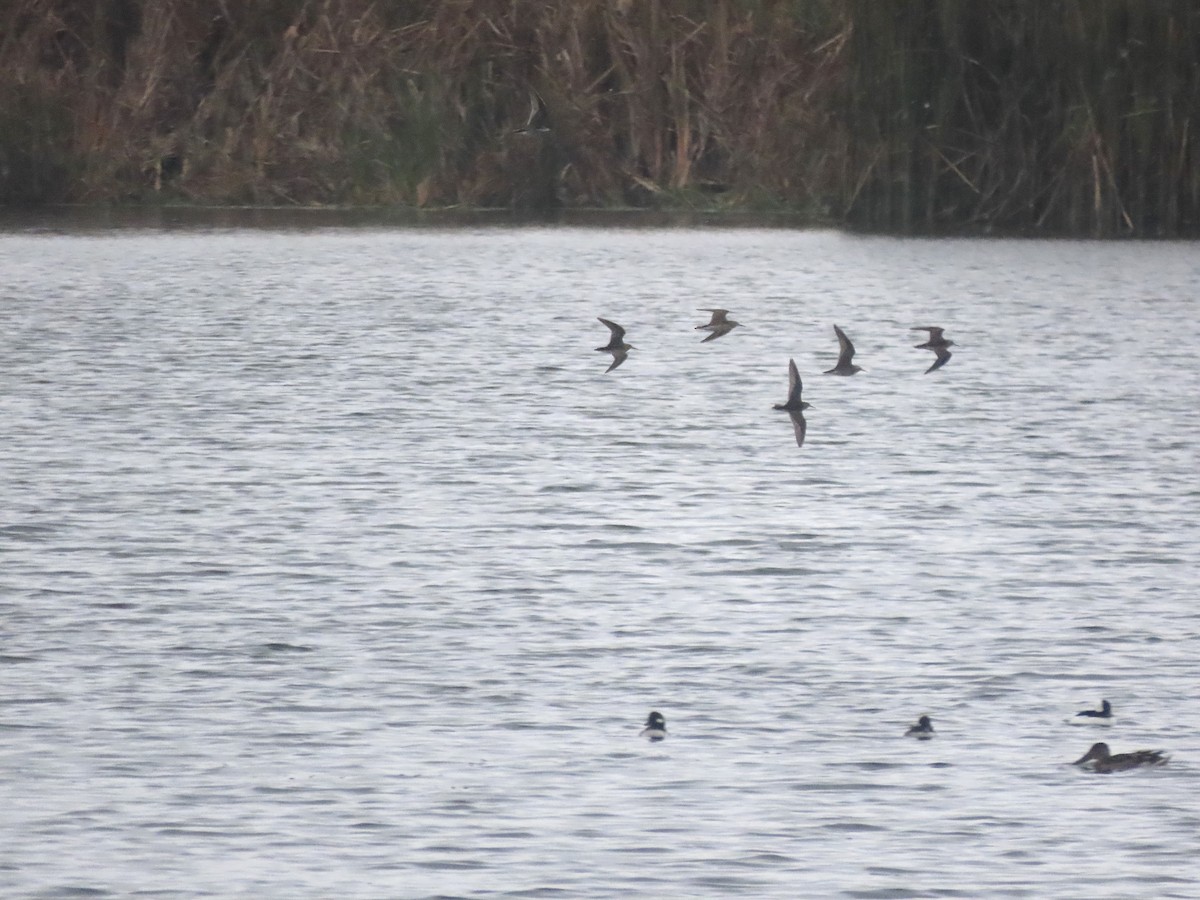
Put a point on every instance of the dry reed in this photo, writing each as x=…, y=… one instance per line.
x=1068, y=116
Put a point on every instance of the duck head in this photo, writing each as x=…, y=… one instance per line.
x=1099, y=751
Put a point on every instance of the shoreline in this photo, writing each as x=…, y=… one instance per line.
x=187, y=217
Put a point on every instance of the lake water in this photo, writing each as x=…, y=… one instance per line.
x=332, y=563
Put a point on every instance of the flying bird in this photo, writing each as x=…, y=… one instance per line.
x=795, y=406
x=616, y=345
x=539, y=117
x=844, y=365
x=720, y=325
x=937, y=344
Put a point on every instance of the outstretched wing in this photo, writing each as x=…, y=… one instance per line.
x=943, y=357
x=618, y=332
x=795, y=385
x=717, y=331
x=847, y=348
x=799, y=425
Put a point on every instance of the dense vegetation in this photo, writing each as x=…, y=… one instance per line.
x=1060, y=116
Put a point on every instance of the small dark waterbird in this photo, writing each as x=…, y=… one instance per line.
x=616, y=344
x=1105, y=761
x=1104, y=712
x=923, y=730
x=844, y=365
x=656, y=727
x=795, y=406
x=720, y=325
x=938, y=344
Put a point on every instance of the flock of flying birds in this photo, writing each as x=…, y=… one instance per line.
x=538, y=123
x=721, y=325
x=1103, y=760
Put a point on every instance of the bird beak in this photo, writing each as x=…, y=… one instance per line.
x=1083, y=758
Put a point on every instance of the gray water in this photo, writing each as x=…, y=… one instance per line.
x=333, y=564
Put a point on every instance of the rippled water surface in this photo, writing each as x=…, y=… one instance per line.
x=332, y=563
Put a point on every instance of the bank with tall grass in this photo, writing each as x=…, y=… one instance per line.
x=1057, y=117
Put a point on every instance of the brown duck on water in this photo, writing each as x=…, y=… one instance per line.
x=1104, y=760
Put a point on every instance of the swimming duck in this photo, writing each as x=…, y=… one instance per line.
x=844, y=365
x=923, y=730
x=720, y=324
x=1104, y=761
x=795, y=406
x=656, y=727
x=937, y=344
x=1105, y=711
x=616, y=344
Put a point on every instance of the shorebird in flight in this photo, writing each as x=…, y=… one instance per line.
x=720, y=325
x=937, y=344
x=539, y=117
x=795, y=406
x=844, y=365
x=616, y=345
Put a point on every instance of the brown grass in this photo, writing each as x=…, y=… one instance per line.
x=1072, y=116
